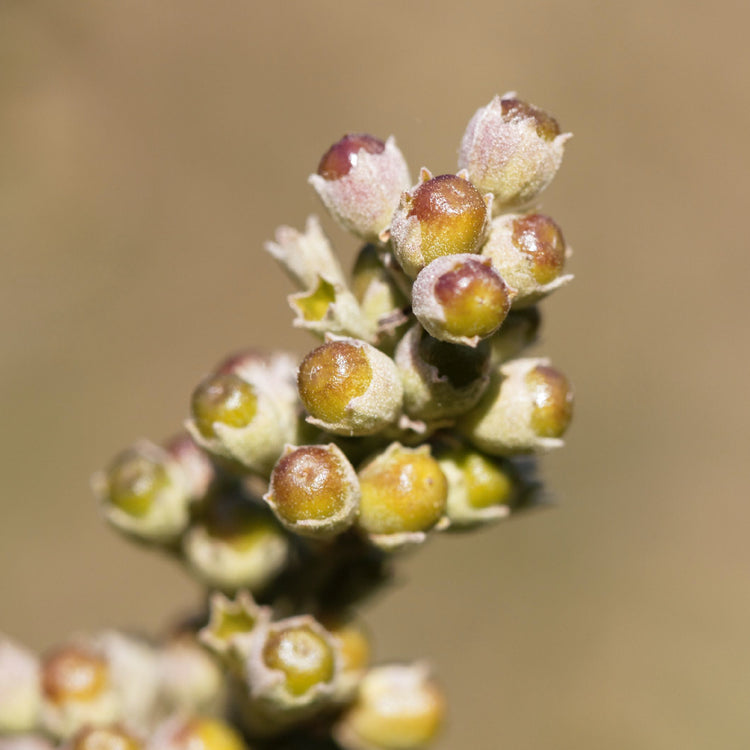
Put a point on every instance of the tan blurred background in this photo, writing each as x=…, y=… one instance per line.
x=147, y=149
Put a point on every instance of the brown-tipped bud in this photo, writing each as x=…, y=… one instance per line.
x=102, y=679
x=20, y=688
x=403, y=495
x=480, y=489
x=146, y=492
x=292, y=671
x=442, y=215
x=349, y=387
x=441, y=381
x=529, y=252
x=460, y=299
x=399, y=707
x=111, y=737
x=246, y=410
x=235, y=544
x=513, y=149
x=228, y=633
x=195, y=733
x=519, y=331
x=381, y=299
x=527, y=406
x=359, y=180
x=190, y=677
x=314, y=490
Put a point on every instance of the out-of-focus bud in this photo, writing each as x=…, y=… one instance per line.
x=314, y=490
x=195, y=733
x=460, y=299
x=529, y=252
x=292, y=671
x=25, y=742
x=442, y=215
x=246, y=411
x=519, y=331
x=399, y=707
x=230, y=625
x=235, y=544
x=20, y=688
x=403, y=496
x=360, y=180
x=102, y=679
x=111, y=737
x=191, y=679
x=146, y=492
x=441, y=381
x=513, y=149
x=349, y=387
x=381, y=300
x=480, y=489
x=355, y=647
x=306, y=256
x=527, y=406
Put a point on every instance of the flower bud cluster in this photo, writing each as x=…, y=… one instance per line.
x=416, y=412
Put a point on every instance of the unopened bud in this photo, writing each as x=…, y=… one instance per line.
x=314, y=490
x=25, y=742
x=399, y=707
x=512, y=149
x=527, y=406
x=441, y=381
x=360, y=180
x=442, y=215
x=403, y=495
x=236, y=544
x=230, y=625
x=529, y=252
x=20, y=688
x=349, y=387
x=195, y=733
x=480, y=488
x=111, y=737
x=460, y=299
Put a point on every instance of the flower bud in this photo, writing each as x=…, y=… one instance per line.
x=441, y=381
x=480, y=488
x=529, y=252
x=146, y=492
x=314, y=490
x=246, y=411
x=25, y=742
x=105, y=678
x=195, y=733
x=442, y=215
x=512, y=149
x=403, y=495
x=460, y=299
x=20, y=688
x=235, y=544
x=398, y=708
x=349, y=387
x=359, y=180
x=527, y=406
x=381, y=300
x=519, y=331
x=355, y=648
x=104, y=738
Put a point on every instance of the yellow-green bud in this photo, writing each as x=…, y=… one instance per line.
x=441, y=381
x=349, y=387
x=460, y=299
x=314, y=490
x=527, y=406
x=195, y=733
x=360, y=179
x=529, y=252
x=403, y=495
x=480, y=488
x=399, y=707
x=513, y=149
x=440, y=216
x=235, y=544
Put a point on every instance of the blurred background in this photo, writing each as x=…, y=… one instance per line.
x=147, y=150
